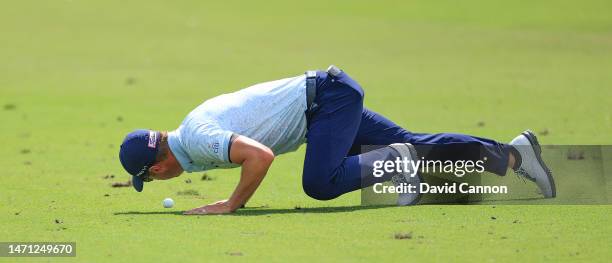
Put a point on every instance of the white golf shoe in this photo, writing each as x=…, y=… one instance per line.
x=406, y=178
x=532, y=166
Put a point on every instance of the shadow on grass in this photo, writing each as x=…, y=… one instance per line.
x=306, y=210
x=517, y=201
x=262, y=211
x=149, y=213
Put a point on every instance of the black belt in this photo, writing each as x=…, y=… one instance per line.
x=311, y=85
x=311, y=88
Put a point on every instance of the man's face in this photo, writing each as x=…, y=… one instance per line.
x=164, y=176
x=166, y=169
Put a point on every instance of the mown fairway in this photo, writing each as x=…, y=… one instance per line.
x=76, y=76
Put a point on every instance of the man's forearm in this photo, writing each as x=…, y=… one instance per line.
x=253, y=172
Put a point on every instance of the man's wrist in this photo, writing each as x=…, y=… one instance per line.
x=233, y=205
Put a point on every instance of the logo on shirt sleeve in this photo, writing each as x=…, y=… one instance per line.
x=214, y=147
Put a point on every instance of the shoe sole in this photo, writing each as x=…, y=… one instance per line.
x=413, y=153
x=533, y=140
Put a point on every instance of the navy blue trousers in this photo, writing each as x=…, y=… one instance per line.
x=339, y=125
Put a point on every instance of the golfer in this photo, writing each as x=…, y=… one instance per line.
x=324, y=109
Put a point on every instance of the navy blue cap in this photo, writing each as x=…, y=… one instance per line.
x=137, y=154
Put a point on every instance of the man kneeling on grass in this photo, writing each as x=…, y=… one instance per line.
x=325, y=109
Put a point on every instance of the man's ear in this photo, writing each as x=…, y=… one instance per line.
x=157, y=169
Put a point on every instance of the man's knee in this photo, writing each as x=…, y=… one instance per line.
x=317, y=190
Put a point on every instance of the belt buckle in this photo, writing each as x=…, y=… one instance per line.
x=333, y=70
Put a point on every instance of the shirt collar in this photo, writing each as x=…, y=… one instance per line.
x=174, y=141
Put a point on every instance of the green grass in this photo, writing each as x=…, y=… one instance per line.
x=81, y=74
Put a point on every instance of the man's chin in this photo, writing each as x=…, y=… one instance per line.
x=166, y=178
x=177, y=175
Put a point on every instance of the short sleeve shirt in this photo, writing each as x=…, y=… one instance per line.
x=272, y=113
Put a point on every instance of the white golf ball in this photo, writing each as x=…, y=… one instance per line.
x=168, y=203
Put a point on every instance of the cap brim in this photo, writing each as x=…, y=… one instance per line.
x=137, y=183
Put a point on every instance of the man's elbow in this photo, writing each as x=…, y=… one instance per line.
x=266, y=156
x=262, y=157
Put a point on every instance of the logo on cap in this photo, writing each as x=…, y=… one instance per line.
x=142, y=171
x=152, y=139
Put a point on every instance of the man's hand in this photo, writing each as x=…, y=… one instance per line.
x=219, y=207
x=255, y=159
